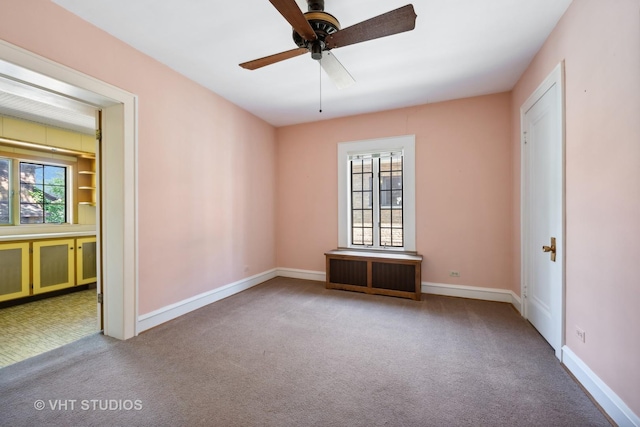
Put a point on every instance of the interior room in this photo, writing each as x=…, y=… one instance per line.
x=221, y=203
x=48, y=294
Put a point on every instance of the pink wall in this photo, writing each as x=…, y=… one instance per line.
x=463, y=187
x=600, y=43
x=206, y=167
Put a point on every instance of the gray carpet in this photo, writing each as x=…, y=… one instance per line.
x=290, y=353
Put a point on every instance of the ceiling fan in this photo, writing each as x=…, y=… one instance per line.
x=319, y=32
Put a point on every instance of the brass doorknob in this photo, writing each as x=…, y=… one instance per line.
x=551, y=249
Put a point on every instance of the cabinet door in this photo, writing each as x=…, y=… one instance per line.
x=86, y=261
x=53, y=263
x=14, y=270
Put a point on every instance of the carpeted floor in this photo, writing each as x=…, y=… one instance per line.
x=291, y=353
x=36, y=327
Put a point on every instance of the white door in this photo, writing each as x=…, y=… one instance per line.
x=543, y=210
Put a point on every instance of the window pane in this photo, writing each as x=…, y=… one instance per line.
x=43, y=193
x=31, y=213
x=357, y=236
x=368, y=236
x=367, y=199
x=367, y=218
x=396, y=180
x=396, y=199
x=385, y=217
x=356, y=219
x=385, y=164
x=54, y=193
x=367, y=181
x=356, y=201
x=367, y=165
x=385, y=237
x=5, y=193
x=385, y=180
x=397, y=237
x=356, y=182
x=55, y=213
x=396, y=217
x=54, y=175
x=385, y=199
x=30, y=173
x=30, y=193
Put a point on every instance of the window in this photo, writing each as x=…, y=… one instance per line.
x=43, y=194
x=376, y=187
x=5, y=191
x=42, y=189
x=376, y=198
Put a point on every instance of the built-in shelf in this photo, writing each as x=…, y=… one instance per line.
x=86, y=181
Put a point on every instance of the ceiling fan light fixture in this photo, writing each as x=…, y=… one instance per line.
x=316, y=50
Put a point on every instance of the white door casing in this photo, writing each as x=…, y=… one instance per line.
x=118, y=234
x=542, y=124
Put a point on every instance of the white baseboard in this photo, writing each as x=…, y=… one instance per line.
x=606, y=398
x=294, y=273
x=170, y=312
x=473, y=292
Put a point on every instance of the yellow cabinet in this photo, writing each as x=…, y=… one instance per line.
x=14, y=270
x=86, y=260
x=53, y=265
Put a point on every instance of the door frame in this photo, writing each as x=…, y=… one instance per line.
x=116, y=228
x=556, y=77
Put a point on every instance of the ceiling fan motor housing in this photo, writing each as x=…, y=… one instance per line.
x=323, y=24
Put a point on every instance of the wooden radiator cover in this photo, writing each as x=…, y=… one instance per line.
x=375, y=273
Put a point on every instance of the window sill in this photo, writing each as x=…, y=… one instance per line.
x=376, y=253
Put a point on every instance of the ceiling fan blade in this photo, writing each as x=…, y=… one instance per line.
x=272, y=59
x=292, y=13
x=394, y=22
x=336, y=71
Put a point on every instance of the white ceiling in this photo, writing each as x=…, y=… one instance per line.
x=460, y=48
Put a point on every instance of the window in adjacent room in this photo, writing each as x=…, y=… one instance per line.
x=43, y=194
x=377, y=194
x=5, y=191
x=39, y=190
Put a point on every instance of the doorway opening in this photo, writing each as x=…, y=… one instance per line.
x=116, y=228
x=48, y=201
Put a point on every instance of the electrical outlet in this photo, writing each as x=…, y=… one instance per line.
x=580, y=334
x=454, y=273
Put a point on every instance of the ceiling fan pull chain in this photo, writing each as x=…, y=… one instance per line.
x=320, y=75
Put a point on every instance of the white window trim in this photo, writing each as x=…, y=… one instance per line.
x=405, y=143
